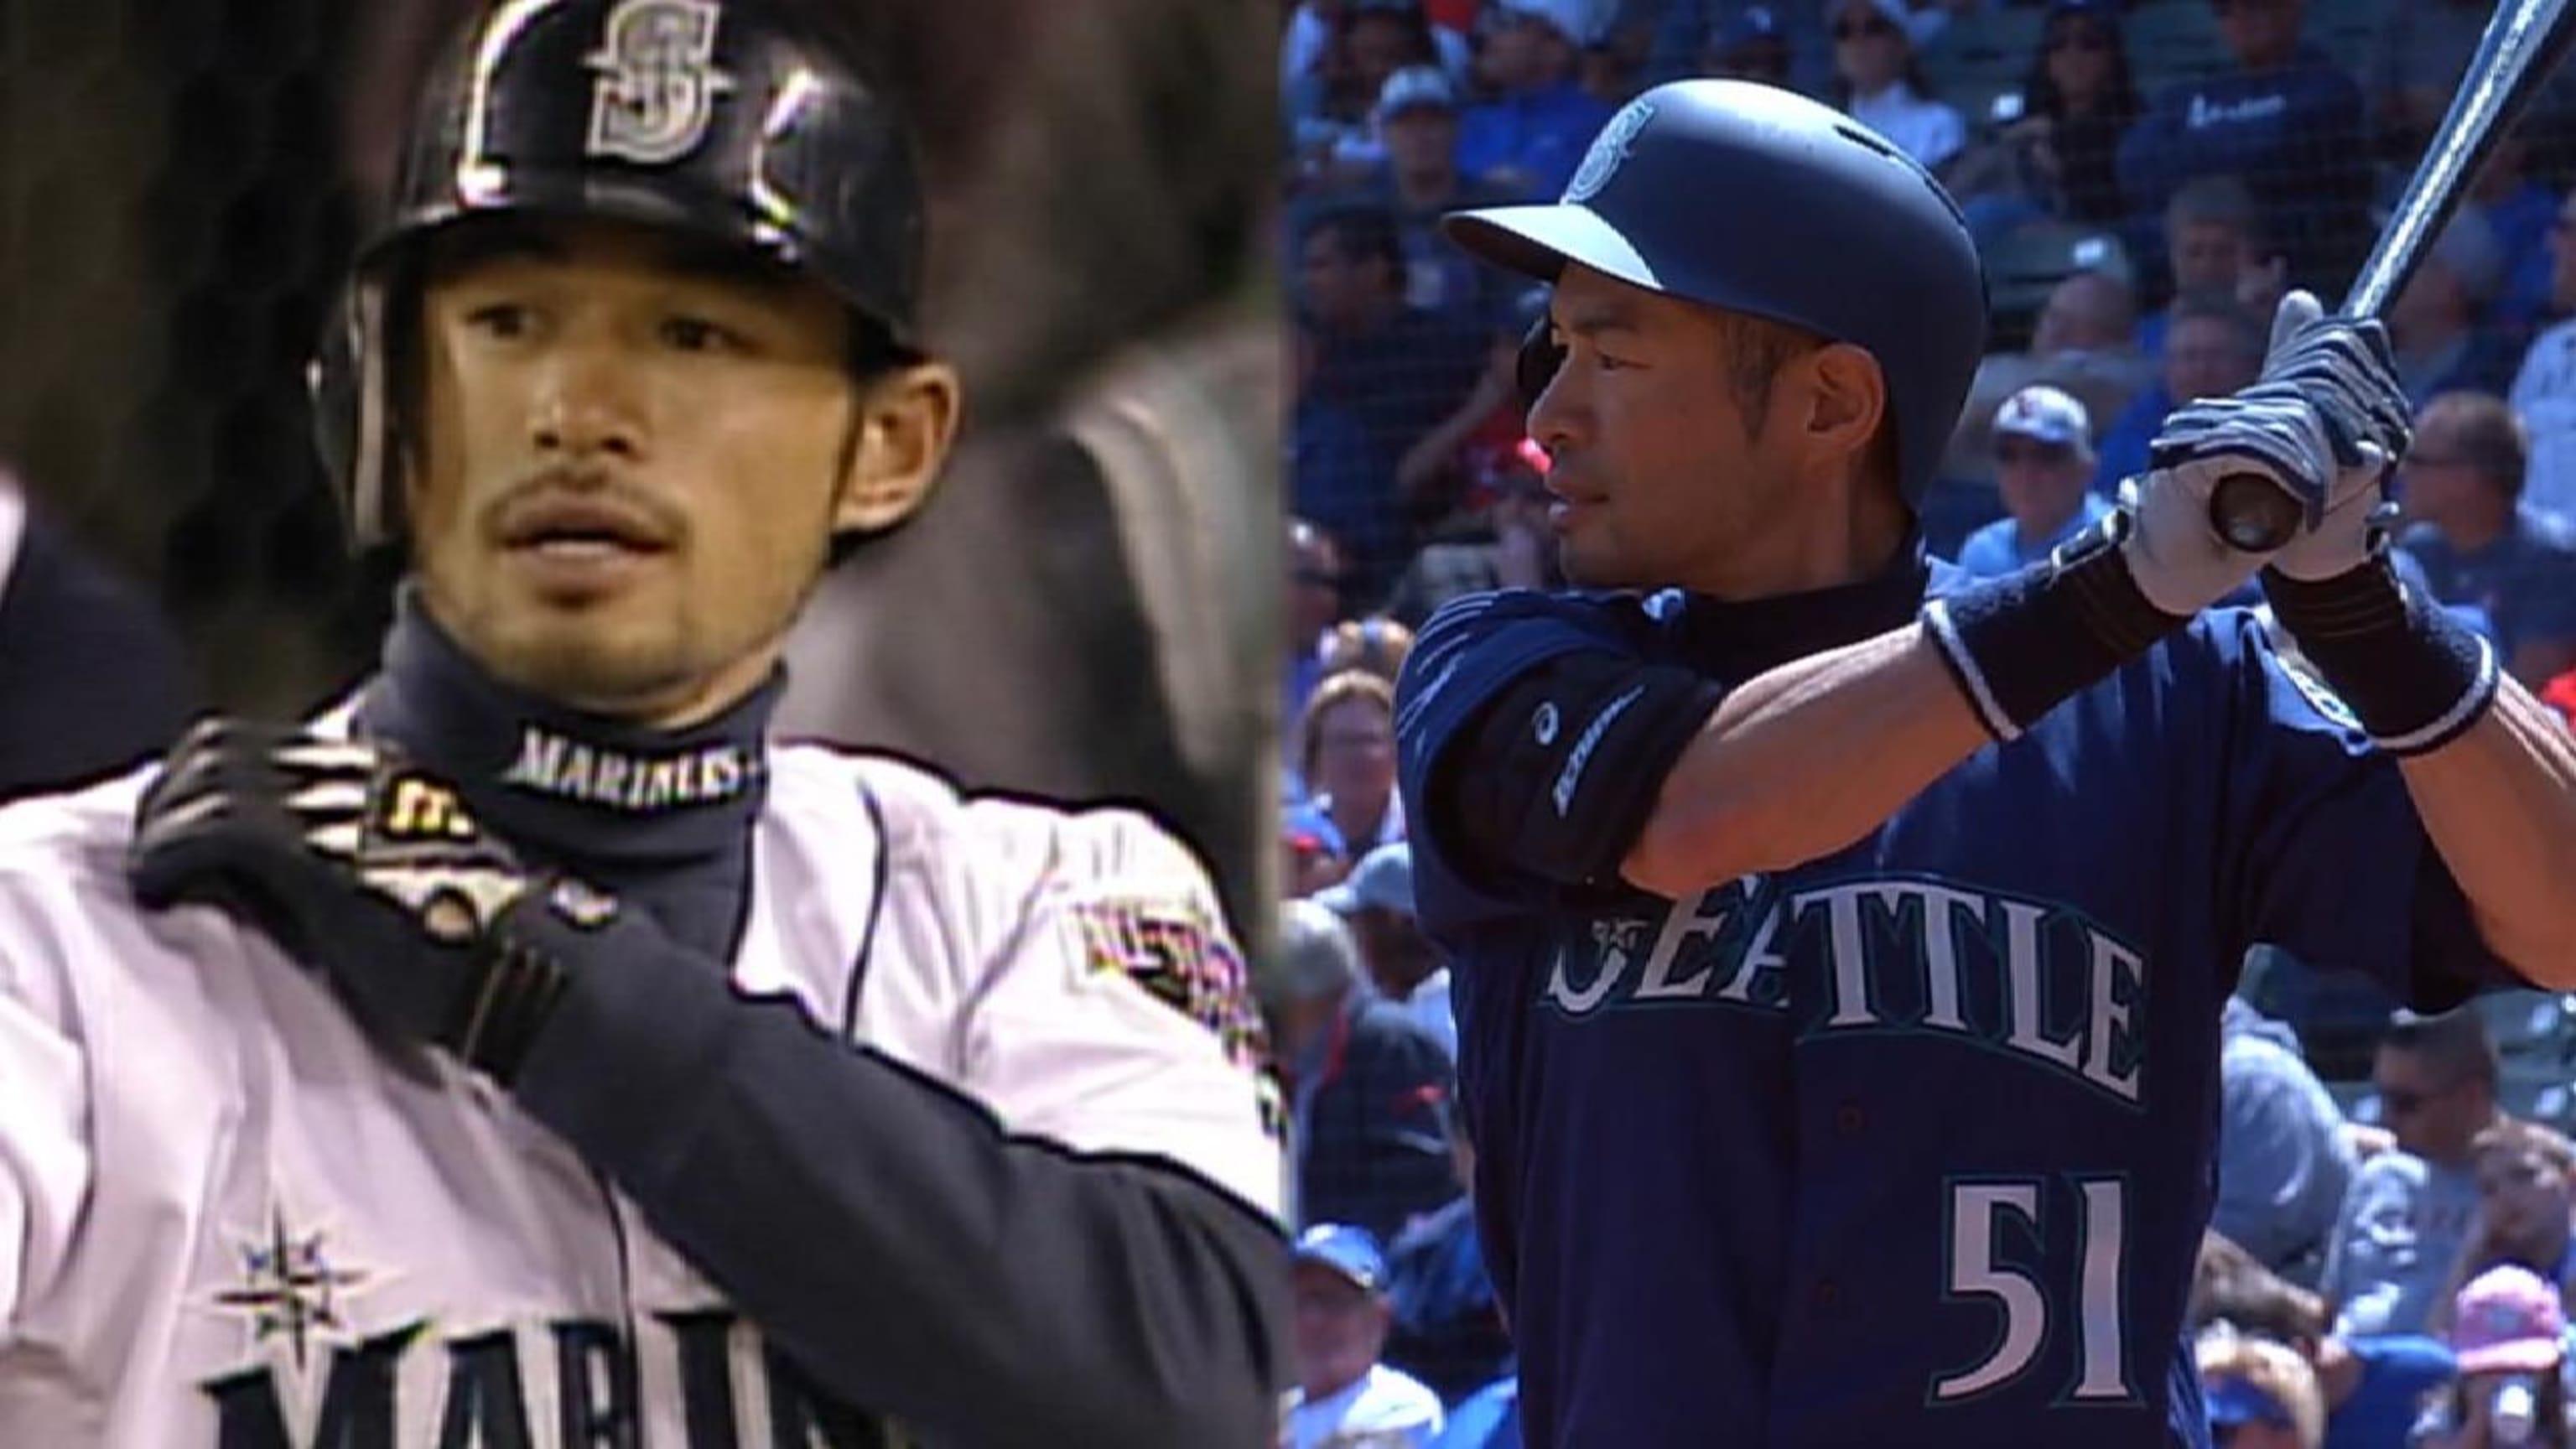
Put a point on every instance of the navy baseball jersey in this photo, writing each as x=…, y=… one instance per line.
x=1912, y=1144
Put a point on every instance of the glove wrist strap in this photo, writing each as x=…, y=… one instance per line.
x=2022, y=644
x=519, y=977
x=2414, y=676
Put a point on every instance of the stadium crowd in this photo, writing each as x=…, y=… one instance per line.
x=2389, y=1261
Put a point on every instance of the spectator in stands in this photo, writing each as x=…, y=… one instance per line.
x=1749, y=44
x=1877, y=80
x=2283, y=119
x=2085, y=344
x=1312, y=605
x=2437, y=324
x=2059, y=159
x=2213, y=242
x=92, y=681
x=1374, y=645
x=1346, y=749
x=1401, y=371
x=2370, y=1387
x=1530, y=134
x=1337, y=476
x=2526, y=1174
x=2510, y=1336
x=2261, y=1395
x=1306, y=46
x=1345, y=1398
x=1364, y=1083
x=2284, y=1164
x=1376, y=898
x=1510, y=547
x=2411, y=1210
x=1333, y=108
x=2043, y=462
x=2544, y=391
x=2480, y=542
x=1449, y=1329
x=2214, y=345
x=1418, y=182
x=2521, y=212
x=2417, y=56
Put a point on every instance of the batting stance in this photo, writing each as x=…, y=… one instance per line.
x=1841, y=941
x=528, y=1053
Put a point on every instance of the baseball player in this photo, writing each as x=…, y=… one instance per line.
x=527, y=1052
x=1840, y=942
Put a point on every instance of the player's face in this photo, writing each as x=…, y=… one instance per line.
x=2040, y=483
x=1662, y=473
x=1355, y=754
x=1340, y=1330
x=2524, y=1197
x=635, y=456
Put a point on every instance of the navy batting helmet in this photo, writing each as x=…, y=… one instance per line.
x=741, y=121
x=1755, y=200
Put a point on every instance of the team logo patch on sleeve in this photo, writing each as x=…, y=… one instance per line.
x=2318, y=693
x=1181, y=960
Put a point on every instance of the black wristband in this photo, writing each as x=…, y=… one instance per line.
x=2414, y=676
x=2023, y=644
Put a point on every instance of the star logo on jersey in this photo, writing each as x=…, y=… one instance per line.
x=290, y=1289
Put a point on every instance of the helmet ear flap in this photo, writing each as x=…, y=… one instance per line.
x=350, y=386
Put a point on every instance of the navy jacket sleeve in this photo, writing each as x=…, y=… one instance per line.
x=2333, y=862
x=884, y=1230
x=1471, y=652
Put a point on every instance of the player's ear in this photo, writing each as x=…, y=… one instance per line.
x=1844, y=400
x=907, y=418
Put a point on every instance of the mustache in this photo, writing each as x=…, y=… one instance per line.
x=593, y=494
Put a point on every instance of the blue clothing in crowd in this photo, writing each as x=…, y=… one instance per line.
x=1489, y=1419
x=1998, y=549
x=2283, y=1163
x=1541, y=137
x=2397, y=1370
x=2524, y=581
x=2294, y=134
x=2121, y=451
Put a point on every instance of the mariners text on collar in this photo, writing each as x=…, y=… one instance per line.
x=556, y=764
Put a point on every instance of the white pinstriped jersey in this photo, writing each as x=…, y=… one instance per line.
x=226, y=1219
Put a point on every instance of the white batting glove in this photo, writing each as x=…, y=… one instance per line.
x=2322, y=424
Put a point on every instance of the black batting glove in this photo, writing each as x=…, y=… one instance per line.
x=367, y=870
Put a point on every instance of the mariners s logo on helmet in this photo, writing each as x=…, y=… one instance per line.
x=657, y=83
x=1608, y=150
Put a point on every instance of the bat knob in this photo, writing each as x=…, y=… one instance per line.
x=2253, y=513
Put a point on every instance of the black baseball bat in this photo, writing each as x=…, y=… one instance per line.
x=2523, y=43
